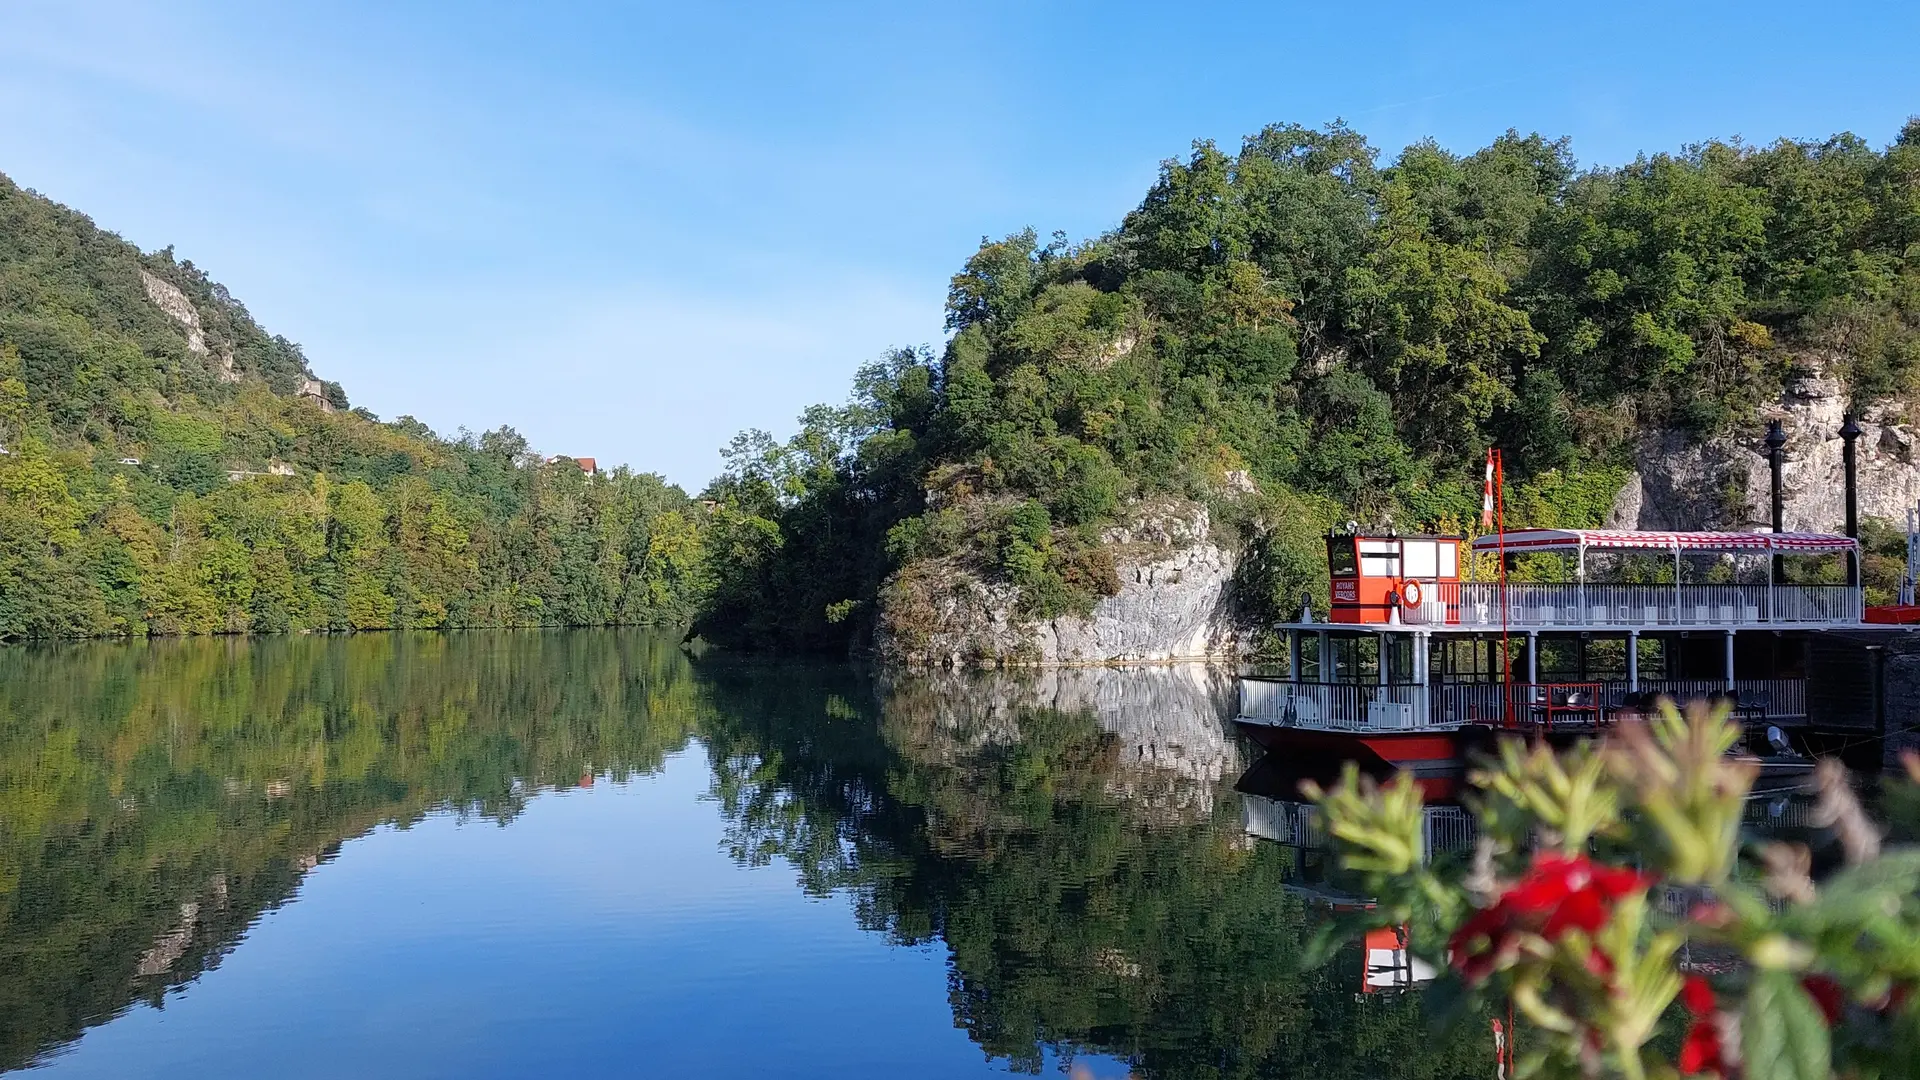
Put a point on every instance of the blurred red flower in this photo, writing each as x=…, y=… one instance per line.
x=1558, y=893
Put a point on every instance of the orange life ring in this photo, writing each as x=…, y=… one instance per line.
x=1410, y=593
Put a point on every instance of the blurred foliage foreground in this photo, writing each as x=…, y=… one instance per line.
x=1607, y=878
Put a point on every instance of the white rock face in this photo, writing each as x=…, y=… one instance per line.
x=1175, y=603
x=177, y=307
x=1724, y=483
x=1176, y=607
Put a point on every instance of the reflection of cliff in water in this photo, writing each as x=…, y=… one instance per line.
x=1166, y=729
x=155, y=800
x=1067, y=837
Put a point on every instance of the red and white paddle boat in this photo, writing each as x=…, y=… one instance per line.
x=1417, y=661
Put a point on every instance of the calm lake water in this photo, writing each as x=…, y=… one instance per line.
x=584, y=853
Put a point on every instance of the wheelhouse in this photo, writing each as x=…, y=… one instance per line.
x=1372, y=577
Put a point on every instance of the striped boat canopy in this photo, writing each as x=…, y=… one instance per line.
x=1631, y=540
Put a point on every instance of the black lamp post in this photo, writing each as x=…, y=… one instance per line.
x=1849, y=433
x=1776, y=456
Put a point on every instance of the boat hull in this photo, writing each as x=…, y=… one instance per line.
x=1416, y=751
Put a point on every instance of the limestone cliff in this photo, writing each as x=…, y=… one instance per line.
x=1680, y=483
x=168, y=298
x=1175, y=602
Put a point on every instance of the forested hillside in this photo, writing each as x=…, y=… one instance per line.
x=1302, y=331
x=1293, y=334
x=170, y=467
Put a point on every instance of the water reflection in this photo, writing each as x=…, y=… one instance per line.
x=155, y=800
x=1073, y=841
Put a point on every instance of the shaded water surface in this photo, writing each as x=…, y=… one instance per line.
x=583, y=853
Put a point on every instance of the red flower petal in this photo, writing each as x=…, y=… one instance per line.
x=1697, y=995
x=1583, y=910
x=1700, y=1053
x=1600, y=964
x=1827, y=994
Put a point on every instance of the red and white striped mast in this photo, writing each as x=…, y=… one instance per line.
x=1493, y=514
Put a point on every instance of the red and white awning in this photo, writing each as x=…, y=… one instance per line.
x=1633, y=540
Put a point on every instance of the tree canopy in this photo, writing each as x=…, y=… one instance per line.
x=1348, y=332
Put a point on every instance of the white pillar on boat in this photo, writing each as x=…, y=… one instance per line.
x=1773, y=613
x=1327, y=674
x=1729, y=660
x=1633, y=661
x=1422, y=665
x=1382, y=653
x=1676, y=584
x=1533, y=657
x=1293, y=656
x=1581, y=588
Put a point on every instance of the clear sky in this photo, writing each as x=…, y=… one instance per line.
x=630, y=230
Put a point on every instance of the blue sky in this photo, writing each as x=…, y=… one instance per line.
x=630, y=230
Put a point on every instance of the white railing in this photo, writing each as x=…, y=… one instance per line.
x=1447, y=828
x=1334, y=706
x=1404, y=706
x=1534, y=605
x=1299, y=824
x=1283, y=821
x=1774, y=698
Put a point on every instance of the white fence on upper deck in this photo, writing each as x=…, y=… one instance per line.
x=1534, y=605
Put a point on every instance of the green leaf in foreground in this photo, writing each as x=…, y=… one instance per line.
x=1782, y=1035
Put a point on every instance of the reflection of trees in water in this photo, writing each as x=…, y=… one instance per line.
x=981, y=812
x=155, y=799
x=1071, y=839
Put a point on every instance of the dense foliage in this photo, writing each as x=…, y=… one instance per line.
x=1349, y=337
x=183, y=472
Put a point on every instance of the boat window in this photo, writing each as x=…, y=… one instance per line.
x=1379, y=558
x=1340, y=556
x=1423, y=559
x=1449, y=559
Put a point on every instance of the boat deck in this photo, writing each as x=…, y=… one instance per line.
x=1412, y=707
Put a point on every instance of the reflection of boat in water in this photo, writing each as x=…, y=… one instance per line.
x=1272, y=810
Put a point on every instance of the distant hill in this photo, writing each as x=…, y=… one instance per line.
x=171, y=467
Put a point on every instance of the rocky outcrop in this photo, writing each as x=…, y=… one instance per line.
x=1175, y=602
x=169, y=299
x=1679, y=483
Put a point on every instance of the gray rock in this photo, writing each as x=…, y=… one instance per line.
x=1723, y=483
x=1175, y=603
